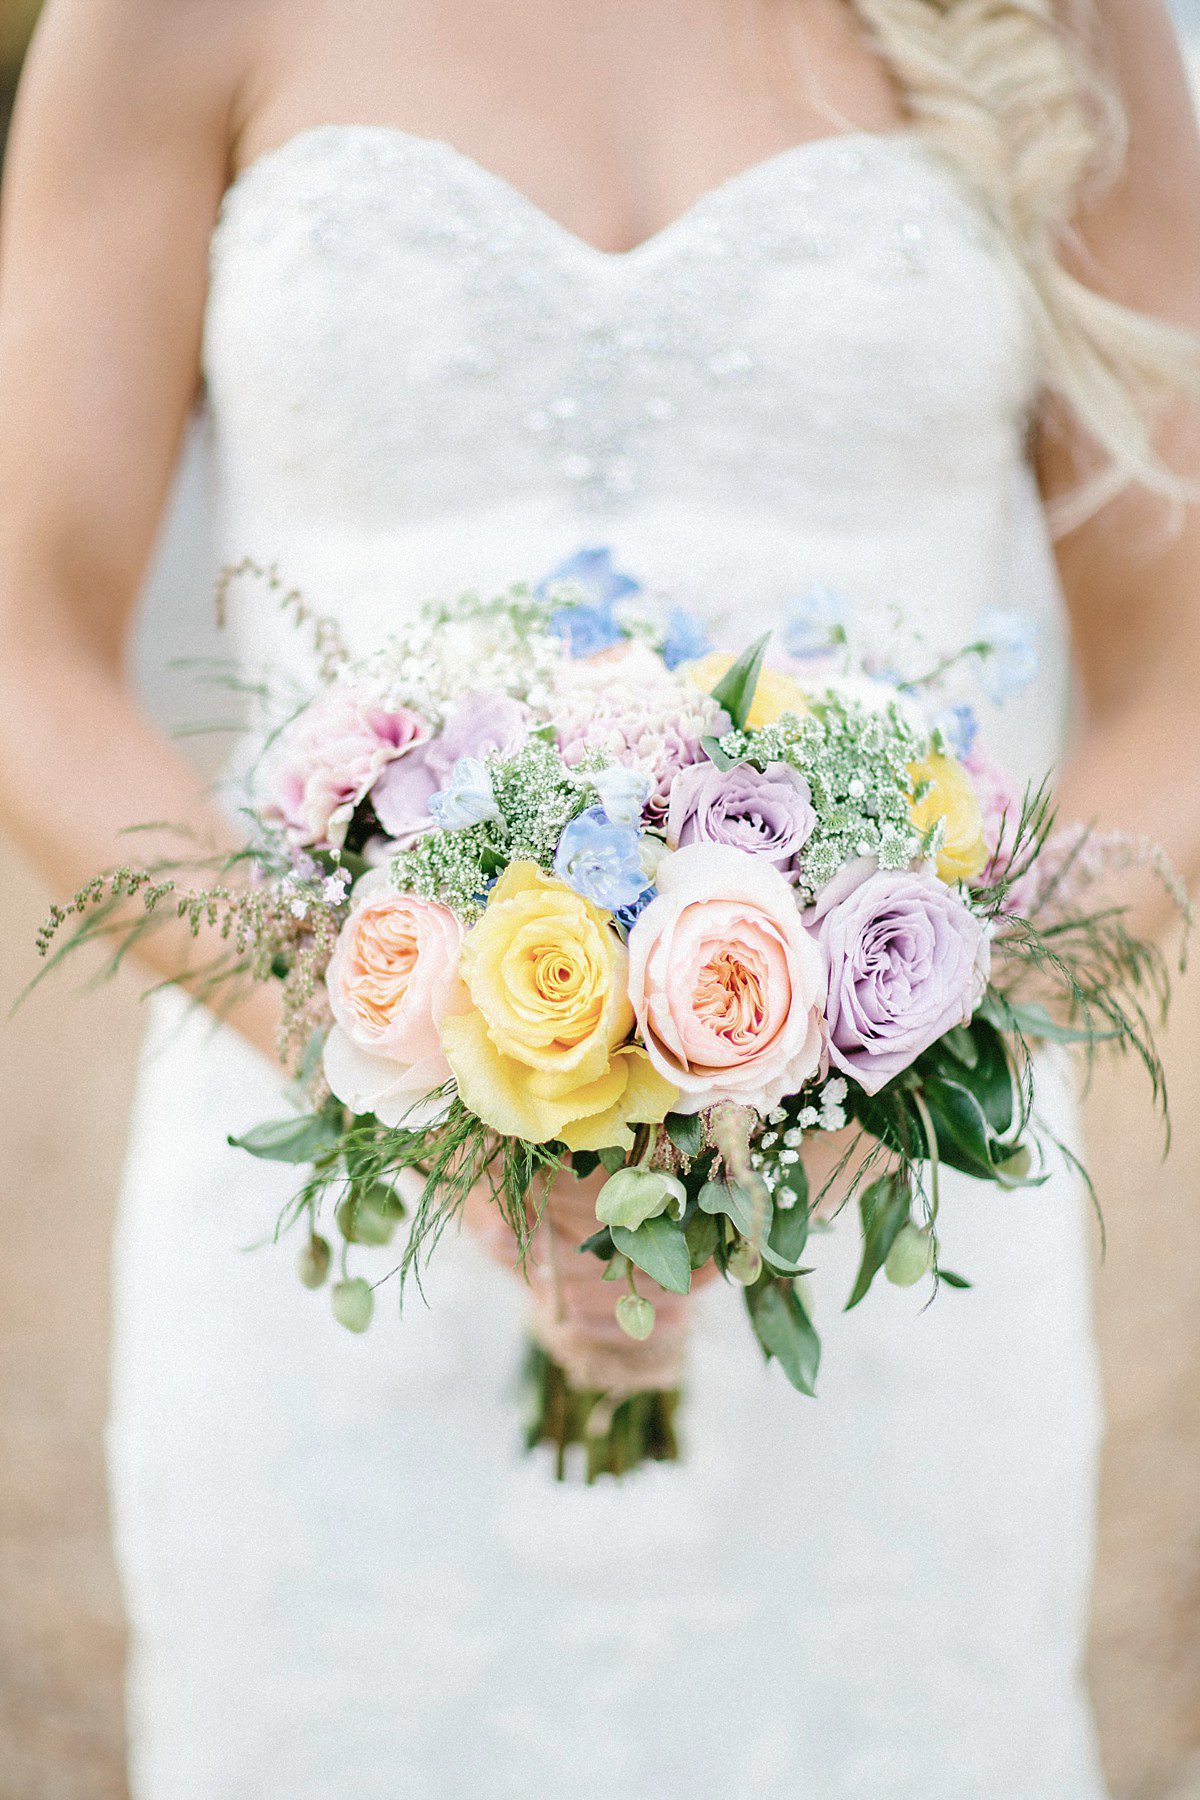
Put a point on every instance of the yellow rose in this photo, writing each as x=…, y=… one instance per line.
x=545, y=1054
x=944, y=792
x=775, y=694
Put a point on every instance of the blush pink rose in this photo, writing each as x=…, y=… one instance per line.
x=330, y=757
x=392, y=979
x=726, y=982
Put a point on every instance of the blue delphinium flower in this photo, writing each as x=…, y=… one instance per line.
x=468, y=800
x=960, y=728
x=1010, y=662
x=628, y=916
x=686, y=638
x=815, y=623
x=588, y=625
x=601, y=860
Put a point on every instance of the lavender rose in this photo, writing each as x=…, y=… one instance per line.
x=908, y=960
x=481, y=725
x=768, y=814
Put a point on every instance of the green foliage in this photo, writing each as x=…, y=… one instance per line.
x=686, y=1132
x=736, y=688
x=660, y=1248
x=303, y=1140
x=610, y=1437
x=784, y=1330
x=884, y=1207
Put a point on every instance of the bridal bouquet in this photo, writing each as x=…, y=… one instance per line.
x=563, y=902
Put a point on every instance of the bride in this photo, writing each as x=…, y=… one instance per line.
x=761, y=295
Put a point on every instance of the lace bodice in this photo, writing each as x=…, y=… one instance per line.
x=821, y=372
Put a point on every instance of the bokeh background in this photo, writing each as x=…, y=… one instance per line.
x=66, y=1074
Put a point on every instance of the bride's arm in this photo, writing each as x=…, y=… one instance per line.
x=1132, y=581
x=116, y=167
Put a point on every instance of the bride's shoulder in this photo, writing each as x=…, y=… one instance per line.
x=143, y=58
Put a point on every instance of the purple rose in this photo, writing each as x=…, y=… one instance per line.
x=482, y=725
x=908, y=960
x=768, y=814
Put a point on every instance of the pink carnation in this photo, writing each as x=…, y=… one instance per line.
x=633, y=711
x=328, y=759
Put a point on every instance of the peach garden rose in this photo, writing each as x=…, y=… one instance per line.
x=392, y=980
x=726, y=982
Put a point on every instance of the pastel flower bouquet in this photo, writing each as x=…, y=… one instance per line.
x=590, y=935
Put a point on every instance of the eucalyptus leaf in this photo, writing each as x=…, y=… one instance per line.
x=785, y=1331
x=613, y=1159
x=884, y=1208
x=660, y=1248
x=300, y=1140
x=736, y=688
x=752, y=1219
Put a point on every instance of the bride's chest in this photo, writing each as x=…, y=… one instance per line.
x=390, y=322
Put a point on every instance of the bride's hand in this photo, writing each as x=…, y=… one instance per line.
x=573, y=1307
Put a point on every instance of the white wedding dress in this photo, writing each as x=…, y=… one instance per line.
x=344, y=1579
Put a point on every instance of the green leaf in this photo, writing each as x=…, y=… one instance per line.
x=720, y=759
x=300, y=1140
x=735, y=690
x=752, y=1219
x=599, y=1244
x=660, y=1248
x=884, y=1207
x=785, y=1242
x=952, y=1280
x=1034, y=1022
x=964, y=1136
x=584, y=1163
x=977, y=1058
x=701, y=1233
x=613, y=1159
x=686, y=1132
x=785, y=1331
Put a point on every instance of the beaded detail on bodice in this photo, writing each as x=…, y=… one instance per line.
x=394, y=331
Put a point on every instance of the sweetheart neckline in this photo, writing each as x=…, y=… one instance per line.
x=902, y=138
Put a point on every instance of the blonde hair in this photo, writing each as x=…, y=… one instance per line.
x=1015, y=95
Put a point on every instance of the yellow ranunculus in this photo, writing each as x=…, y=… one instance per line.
x=948, y=795
x=545, y=1053
x=775, y=694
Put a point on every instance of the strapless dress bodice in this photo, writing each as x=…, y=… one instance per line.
x=821, y=373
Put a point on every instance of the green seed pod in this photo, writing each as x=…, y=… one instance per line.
x=1018, y=1165
x=361, y=1221
x=745, y=1264
x=312, y=1264
x=635, y=1316
x=353, y=1304
x=910, y=1257
x=632, y=1196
